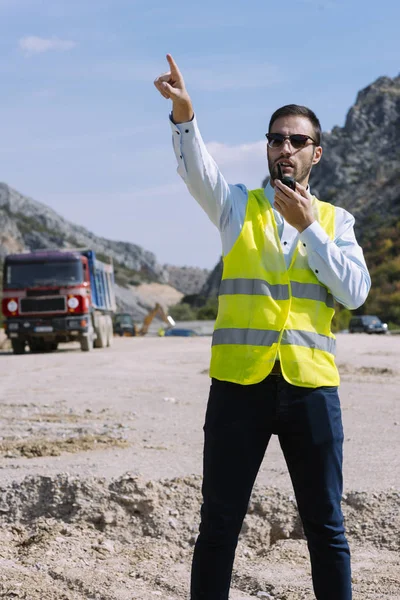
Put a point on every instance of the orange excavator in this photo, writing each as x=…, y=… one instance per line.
x=124, y=325
x=156, y=311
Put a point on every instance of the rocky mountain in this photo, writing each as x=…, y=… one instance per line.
x=211, y=285
x=360, y=166
x=26, y=224
x=188, y=280
x=360, y=171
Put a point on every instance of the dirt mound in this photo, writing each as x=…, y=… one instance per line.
x=46, y=447
x=69, y=538
x=366, y=371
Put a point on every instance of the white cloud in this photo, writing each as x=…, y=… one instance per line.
x=36, y=45
x=243, y=163
x=224, y=154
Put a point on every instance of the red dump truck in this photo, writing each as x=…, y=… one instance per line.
x=57, y=296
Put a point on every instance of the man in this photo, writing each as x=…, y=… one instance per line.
x=286, y=257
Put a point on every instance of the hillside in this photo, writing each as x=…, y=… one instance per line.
x=360, y=171
x=188, y=280
x=360, y=166
x=26, y=224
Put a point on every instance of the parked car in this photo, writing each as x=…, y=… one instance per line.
x=367, y=324
x=180, y=332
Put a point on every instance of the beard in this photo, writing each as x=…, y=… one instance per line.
x=300, y=173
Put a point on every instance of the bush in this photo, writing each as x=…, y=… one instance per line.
x=194, y=300
x=208, y=312
x=182, y=312
x=341, y=319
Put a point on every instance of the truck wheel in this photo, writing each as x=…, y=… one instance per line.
x=18, y=346
x=87, y=343
x=101, y=332
x=110, y=332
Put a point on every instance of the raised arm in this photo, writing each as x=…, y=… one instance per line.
x=224, y=204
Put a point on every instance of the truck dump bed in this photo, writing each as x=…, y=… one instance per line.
x=101, y=281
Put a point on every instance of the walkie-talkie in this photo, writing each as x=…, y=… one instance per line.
x=289, y=181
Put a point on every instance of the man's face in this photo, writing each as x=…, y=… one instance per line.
x=295, y=162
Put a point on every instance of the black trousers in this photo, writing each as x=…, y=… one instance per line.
x=239, y=423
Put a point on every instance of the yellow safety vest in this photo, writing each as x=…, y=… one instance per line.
x=269, y=312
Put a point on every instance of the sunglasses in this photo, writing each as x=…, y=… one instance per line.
x=297, y=140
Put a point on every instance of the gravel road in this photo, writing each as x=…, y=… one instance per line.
x=100, y=463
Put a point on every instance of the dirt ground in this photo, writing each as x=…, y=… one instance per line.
x=100, y=474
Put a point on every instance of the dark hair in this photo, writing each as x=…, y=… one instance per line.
x=298, y=111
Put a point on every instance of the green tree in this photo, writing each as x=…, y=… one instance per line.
x=182, y=312
x=208, y=312
x=341, y=319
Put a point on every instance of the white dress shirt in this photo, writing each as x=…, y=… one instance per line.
x=339, y=264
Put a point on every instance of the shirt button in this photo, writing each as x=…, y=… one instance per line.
x=316, y=270
x=304, y=244
x=181, y=156
x=284, y=243
x=178, y=132
x=186, y=130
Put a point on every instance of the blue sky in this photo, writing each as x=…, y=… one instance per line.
x=84, y=130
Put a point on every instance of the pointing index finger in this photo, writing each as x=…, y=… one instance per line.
x=174, y=67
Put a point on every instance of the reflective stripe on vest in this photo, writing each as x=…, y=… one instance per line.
x=253, y=337
x=312, y=291
x=259, y=287
x=256, y=287
x=309, y=339
x=261, y=337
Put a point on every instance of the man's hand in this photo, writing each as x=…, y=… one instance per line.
x=294, y=206
x=172, y=86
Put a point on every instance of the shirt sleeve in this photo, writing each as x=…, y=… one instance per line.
x=224, y=204
x=339, y=264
